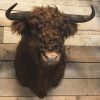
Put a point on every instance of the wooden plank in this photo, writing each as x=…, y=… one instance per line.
x=78, y=87
x=80, y=32
x=77, y=10
x=82, y=38
x=73, y=2
x=75, y=7
x=92, y=25
x=82, y=98
x=53, y=98
x=10, y=87
x=56, y=2
x=89, y=98
x=56, y=98
x=7, y=70
x=11, y=38
x=21, y=98
x=74, y=53
x=30, y=98
x=5, y=22
x=73, y=70
x=2, y=14
x=86, y=32
x=72, y=98
x=82, y=70
x=1, y=34
x=81, y=9
x=83, y=54
x=77, y=40
x=47, y=1
x=7, y=51
x=66, y=9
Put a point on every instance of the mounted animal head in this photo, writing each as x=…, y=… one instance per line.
x=48, y=27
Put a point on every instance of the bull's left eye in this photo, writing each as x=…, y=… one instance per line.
x=41, y=46
x=56, y=46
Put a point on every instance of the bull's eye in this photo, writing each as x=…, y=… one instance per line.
x=41, y=46
x=56, y=46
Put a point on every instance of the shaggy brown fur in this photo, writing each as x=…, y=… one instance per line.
x=43, y=28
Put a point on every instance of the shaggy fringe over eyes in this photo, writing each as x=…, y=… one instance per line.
x=44, y=17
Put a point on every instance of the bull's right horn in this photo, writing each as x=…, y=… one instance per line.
x=16, y=16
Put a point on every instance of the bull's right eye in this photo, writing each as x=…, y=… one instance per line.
x=41, y=46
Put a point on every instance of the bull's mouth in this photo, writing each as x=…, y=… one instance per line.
x=50, y=58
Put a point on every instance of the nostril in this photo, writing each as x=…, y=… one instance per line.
x=56, y=45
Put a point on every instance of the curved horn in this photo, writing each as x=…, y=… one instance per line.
x=16, y=16
x=80, y=18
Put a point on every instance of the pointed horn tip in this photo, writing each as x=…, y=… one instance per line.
x=7, y=13
x=9, y=9
x=93, y=11
x=92, y=7
x=14, y=5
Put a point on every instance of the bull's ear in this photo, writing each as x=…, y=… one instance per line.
x=18, y=27
x=70, y=30
x=24, y=27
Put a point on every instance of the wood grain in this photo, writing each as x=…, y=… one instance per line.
x=53, y=98
x=29, y=4
x=74, y=53
x=82, y=70
x=21, y=98
x=80, y=32
x=7, y=51
x=5, y=22
x=44, y=1
x=82, y=97
x=93, y=25
x=83, y=53
x=73, y=70
x=7, y=70
x=10, y=87
x=83, y=40
x=1, y=34
x=84, y=37
x=56, y=2
x=80, y=39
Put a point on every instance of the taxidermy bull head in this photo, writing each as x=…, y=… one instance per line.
x=40, y=58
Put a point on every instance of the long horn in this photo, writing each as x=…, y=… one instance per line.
x=80, y=18
x=16, y=16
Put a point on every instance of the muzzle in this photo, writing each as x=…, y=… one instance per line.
x=50, y=58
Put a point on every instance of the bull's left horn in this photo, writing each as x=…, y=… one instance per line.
x=80, y=18
x=16, y=16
